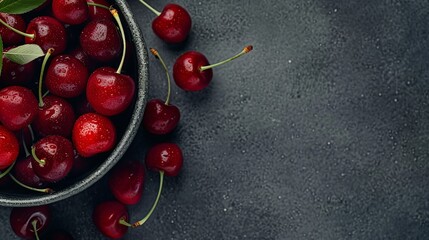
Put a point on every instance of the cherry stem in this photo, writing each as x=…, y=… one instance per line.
x=42, y=71
x=16, y=30
x=98, y=5
x=150, y=8
x=124, y=43
x=27, y=153
x=161, y=183
x=42, y=190
x=244, y=51
x=156, y=54
x=41, y=162
x=34, y=223
x=125, y=223
x=7, y=171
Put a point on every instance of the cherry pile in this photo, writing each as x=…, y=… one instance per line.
x=52, y=126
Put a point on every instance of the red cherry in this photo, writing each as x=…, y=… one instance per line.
x=92, y=134
x=9, y=148
x=66, y=76
x=107, y=217
x=72, y=12
x=126, y=182
x=160, y=118
x=54, y=158
x=98, y=12
x=166, y=157
x=8, y=36
x=48, y=33
x=59, y=234
x=56, y=117
x=108, y=92
x=24, y=172
x=22, y=220
x=100, y=40
x=18, y=107
x=14, y=73
x=192, y=71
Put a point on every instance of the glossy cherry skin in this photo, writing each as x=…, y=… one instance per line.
x=173, y=24
x=18, y=107
x=92, y=134
x=106, y=217
x=49, y=33
x=66, y=76
x=14, y=73
x=71, y=12
x=98, y=12
x=59, y=234
x=160, y=118
x=100, y=40
x=56, y=117
x=108, y=92
x=9, y=147
x=24, y=172
x=165, y=157
x=57, y=152
x=8, y=36
x=126, y=182
x=21, y=219
x=187, y=73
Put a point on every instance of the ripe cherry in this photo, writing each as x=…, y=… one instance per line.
x=23, y=171
x=52, y=158
x=173, y=24
x=18, y=107
x=111, y=219
x=92, y=134
x=66, y=76
x=47, y=32
x=96, y=12
x=126, y=182
x=192, y=71
x=9, y=36
x=71, y=12
x=14, y=73
x=29, y=222
x=165, y=157
x=9, y=148
x=161, y=117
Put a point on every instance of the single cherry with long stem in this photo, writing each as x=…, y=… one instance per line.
x=192, y=71
x=161, y=117
x=29, y=222
x=126, y=181
x=111, y=218
x=15, y=21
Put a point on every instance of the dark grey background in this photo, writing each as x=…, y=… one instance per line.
x=320, y=133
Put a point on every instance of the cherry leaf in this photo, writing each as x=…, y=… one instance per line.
x=19, y=6
x=24, y=54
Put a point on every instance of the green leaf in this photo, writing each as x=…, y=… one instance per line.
x=24, y=54
x=19, y=6
x=1, y=55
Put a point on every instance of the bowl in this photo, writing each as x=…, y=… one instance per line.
x=125, y=136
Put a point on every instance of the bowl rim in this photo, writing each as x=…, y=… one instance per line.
x=123, y=143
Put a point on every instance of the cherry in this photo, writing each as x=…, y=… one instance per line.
x=28, y=222
x=111, y=219
x=173, y=24
x=109, y=92
x=18, y=107
x=23, y=171
x=47, y=32
x=59, y=234
x=14, y=73
x=72, y=12
x=96, y=12
x=192, y=71
x=100, y=40
x=92, y=134
x=52, y=158
x=55, y=117
x=126, y=182
x=66, y=76
x=9, y=148
x=165, y=157
x=9, y=36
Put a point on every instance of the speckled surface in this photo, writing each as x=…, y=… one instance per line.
x=320, y=133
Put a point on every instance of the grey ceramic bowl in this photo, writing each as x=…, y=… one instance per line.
x=133, y=120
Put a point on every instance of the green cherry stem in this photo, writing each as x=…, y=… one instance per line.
x=34, y=223
x=41, y=162
x=17, y=31
x=27, y=153
x=156, y=54
x=124, y=43
x=42, y=190
x=244, y=51
x=125, y=223
x=98, y=5
x=150, y=8
x=161, y=183
x=42, y=71
x=7, y=171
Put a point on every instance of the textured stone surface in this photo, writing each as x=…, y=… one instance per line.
x=320, y=133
